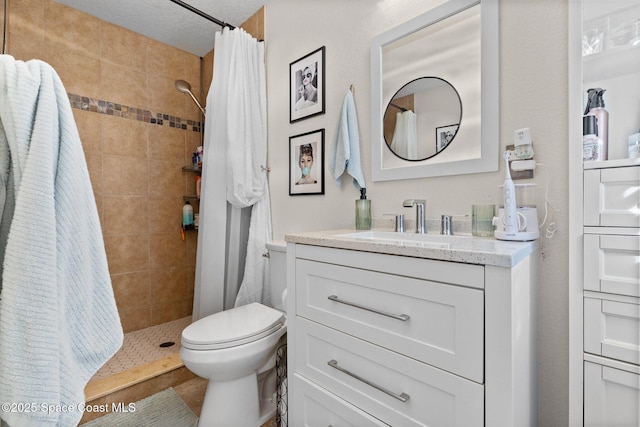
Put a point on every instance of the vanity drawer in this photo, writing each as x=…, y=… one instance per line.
x=398, y=390
x=612, y=327
x=314, y=406
x=612, y=197
x=610, y=264
x=611, y=396
x=440, y=324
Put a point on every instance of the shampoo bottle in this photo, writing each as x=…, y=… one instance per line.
x=595, y=107
x=363, y=211
x=187, y=216
x=195, y=161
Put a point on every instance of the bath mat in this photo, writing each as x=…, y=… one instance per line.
x=163, y=409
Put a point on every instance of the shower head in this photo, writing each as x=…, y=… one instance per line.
x=184, y=87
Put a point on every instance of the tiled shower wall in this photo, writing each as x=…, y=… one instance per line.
x=137, y=132
x=120, y=83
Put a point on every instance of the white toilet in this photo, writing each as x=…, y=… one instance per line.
x=235, y=350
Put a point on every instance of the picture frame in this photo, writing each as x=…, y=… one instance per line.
x=444, y=135
x=306, y=151
x=307, y=86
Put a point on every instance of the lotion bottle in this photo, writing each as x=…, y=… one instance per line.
x=187, y=216
x=363, y=211
x=591, y=144
x=595, y=107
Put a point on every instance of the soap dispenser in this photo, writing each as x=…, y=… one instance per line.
x=363, y=211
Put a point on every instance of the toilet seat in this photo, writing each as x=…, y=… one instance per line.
x=231, y=328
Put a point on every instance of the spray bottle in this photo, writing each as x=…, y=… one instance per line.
x=595, y=107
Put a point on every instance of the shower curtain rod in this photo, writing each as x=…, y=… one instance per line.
x=201, y=13
x=398, y=107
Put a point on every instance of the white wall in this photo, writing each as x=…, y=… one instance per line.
x=533, y=68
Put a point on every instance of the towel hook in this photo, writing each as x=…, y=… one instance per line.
x=352, y=88
x=265, y=169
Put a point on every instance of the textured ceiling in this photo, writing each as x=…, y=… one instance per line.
x=168, y=22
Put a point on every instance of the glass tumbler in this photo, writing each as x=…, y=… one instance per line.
x=482, y=220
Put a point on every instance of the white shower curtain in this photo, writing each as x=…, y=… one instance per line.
x=405, y=135
x=235, y=156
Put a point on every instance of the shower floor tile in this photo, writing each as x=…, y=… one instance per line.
x=143, y=346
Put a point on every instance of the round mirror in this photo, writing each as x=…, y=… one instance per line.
x=422, y=118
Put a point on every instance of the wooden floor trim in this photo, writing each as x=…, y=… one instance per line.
x=104, y=386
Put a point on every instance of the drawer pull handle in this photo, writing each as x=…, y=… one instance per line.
x=403, y=317
x=403, y=397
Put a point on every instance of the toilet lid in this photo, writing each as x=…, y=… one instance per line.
x=232, y=327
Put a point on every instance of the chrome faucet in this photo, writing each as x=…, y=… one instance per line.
x=419, y=204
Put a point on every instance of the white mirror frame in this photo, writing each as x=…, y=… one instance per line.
x=490, y=89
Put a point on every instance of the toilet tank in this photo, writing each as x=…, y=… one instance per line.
x=278, y=272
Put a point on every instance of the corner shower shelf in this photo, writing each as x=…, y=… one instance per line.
x=191, y=197
x=191, y=169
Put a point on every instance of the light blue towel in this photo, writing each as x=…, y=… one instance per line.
x=58, y=318
x=345, y=155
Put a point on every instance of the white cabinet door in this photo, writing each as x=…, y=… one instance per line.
x=611, y=396
x=313, y=406
x=440, y=324
x=612, y=328
x=611, y=264
x=612, y=197
x=396, y=389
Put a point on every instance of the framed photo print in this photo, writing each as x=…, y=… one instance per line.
x=444, y=135
x=306, y=86
x=306, y=163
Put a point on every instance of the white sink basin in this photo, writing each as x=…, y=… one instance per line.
x=422, y=240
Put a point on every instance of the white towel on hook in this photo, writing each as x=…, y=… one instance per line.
x=345, y=155
x=58, y=318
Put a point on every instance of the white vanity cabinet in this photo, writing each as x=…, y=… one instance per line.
x=611, y=275
x=377, y=338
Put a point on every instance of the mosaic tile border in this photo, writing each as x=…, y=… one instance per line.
x=118, y=110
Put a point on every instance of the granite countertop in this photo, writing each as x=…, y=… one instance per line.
x=458, y=248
